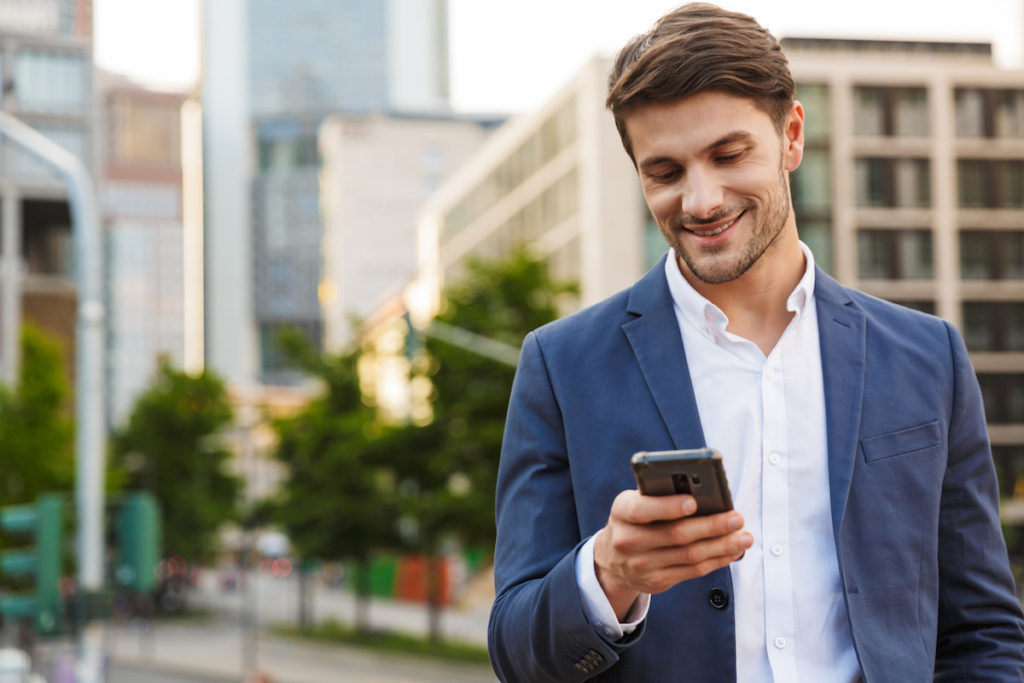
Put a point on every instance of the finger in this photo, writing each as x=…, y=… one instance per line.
x=721, y=551
x=728, y=548
x=634, y=508
x=689, y=530
x=660, y=580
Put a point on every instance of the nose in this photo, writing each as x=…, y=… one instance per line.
x=702, y=194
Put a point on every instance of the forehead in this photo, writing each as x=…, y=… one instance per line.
x=687, y=126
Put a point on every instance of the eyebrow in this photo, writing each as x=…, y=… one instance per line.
x=727, y=139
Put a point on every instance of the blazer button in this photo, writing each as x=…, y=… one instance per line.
x=718, y=598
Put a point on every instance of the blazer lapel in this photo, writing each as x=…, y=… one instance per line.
x=841, y=333
x=658, y=346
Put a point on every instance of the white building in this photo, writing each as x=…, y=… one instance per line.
x=377, y=172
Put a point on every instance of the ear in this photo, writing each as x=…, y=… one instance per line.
x=793, y=137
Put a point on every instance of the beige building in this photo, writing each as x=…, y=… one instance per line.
x=141, y=195
x=911, y=188
x=555, y=179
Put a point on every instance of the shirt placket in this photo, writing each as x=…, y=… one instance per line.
x=778, y=578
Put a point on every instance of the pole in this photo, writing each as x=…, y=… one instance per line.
x=90, y=435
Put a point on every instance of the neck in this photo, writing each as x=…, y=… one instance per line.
x=755, y=302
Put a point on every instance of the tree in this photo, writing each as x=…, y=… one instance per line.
x=447, y=470
x=170, y=447
x=36, y=433
x=37, y=446
x=337, y=500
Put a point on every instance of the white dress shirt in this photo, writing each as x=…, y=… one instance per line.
x=766, y=416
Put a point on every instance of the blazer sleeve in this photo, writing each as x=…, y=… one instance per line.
x=980, y=633
x=538, y=631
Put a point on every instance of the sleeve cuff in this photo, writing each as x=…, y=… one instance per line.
x=596, y=607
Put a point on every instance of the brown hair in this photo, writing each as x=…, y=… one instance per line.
x=697, y=48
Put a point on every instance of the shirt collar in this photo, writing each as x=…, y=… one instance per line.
x=704, y=315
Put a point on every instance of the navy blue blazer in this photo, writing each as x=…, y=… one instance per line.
x=913, y=495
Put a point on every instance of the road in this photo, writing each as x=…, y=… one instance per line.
x=215, y=650
x=275, y=600
x=213, y=653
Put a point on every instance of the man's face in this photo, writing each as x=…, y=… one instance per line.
x=713, y=168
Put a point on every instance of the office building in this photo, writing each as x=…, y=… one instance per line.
x=557, y=180
x=911, y=188
x=142, y=214
x=46, y=68
x=377, y=172
x=272, y=72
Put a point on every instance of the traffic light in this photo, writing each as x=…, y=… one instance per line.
x=41, y=563
x=138, y=543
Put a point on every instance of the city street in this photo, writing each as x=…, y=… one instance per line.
x=213, y=650
x=213, y=653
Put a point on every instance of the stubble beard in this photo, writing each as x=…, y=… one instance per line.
x=713, y=266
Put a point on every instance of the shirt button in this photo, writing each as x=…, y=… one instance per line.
x=774, y=458
x=769, y=373
x=780, y=642
x=718, y=598
x=776, y=550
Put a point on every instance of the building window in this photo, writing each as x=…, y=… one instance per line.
x=1003, y=395
x=1010, y=468
x=885, y=182
x=991, y=255
x=811, y=182
x=991, y=184
x=922, y=305
x=994, y=325
x=814, y=97
x=553, y=136
x=891, y=111
x=988, y=113
x=894, y=254
x=817, y=235
x=51, y=82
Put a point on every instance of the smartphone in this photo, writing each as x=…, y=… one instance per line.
x=698, y=472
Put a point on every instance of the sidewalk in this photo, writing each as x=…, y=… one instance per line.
x=272, y=600
x=214, y=651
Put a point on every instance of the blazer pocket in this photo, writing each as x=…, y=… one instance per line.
x=903, y=442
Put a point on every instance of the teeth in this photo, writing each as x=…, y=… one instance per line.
x=716, y=231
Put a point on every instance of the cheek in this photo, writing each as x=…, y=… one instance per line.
x=662, y=203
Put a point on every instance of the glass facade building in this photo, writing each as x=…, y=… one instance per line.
x=301, y=61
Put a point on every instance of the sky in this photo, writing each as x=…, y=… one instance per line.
x=510, y=56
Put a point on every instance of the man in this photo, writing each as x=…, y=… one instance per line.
x=865, y=543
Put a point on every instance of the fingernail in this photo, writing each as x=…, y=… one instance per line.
x=735, y=522
x=747, y=539
x=689, y=506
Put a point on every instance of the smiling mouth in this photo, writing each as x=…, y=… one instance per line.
x=717, y=231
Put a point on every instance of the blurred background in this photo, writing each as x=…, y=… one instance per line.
x=325, y=227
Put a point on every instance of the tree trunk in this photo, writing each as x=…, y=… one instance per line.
x=434, y=598
x=363, y=595
x=304, y=596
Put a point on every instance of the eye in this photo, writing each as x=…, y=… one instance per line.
x=730, y=156
x=664, y=176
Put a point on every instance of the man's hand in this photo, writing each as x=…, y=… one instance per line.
x=651, y=543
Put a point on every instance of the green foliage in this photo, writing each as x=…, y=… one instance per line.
x=37, y=443
x=447, y=470
x=335, y=503
x=170, y=447
x=350, y=479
